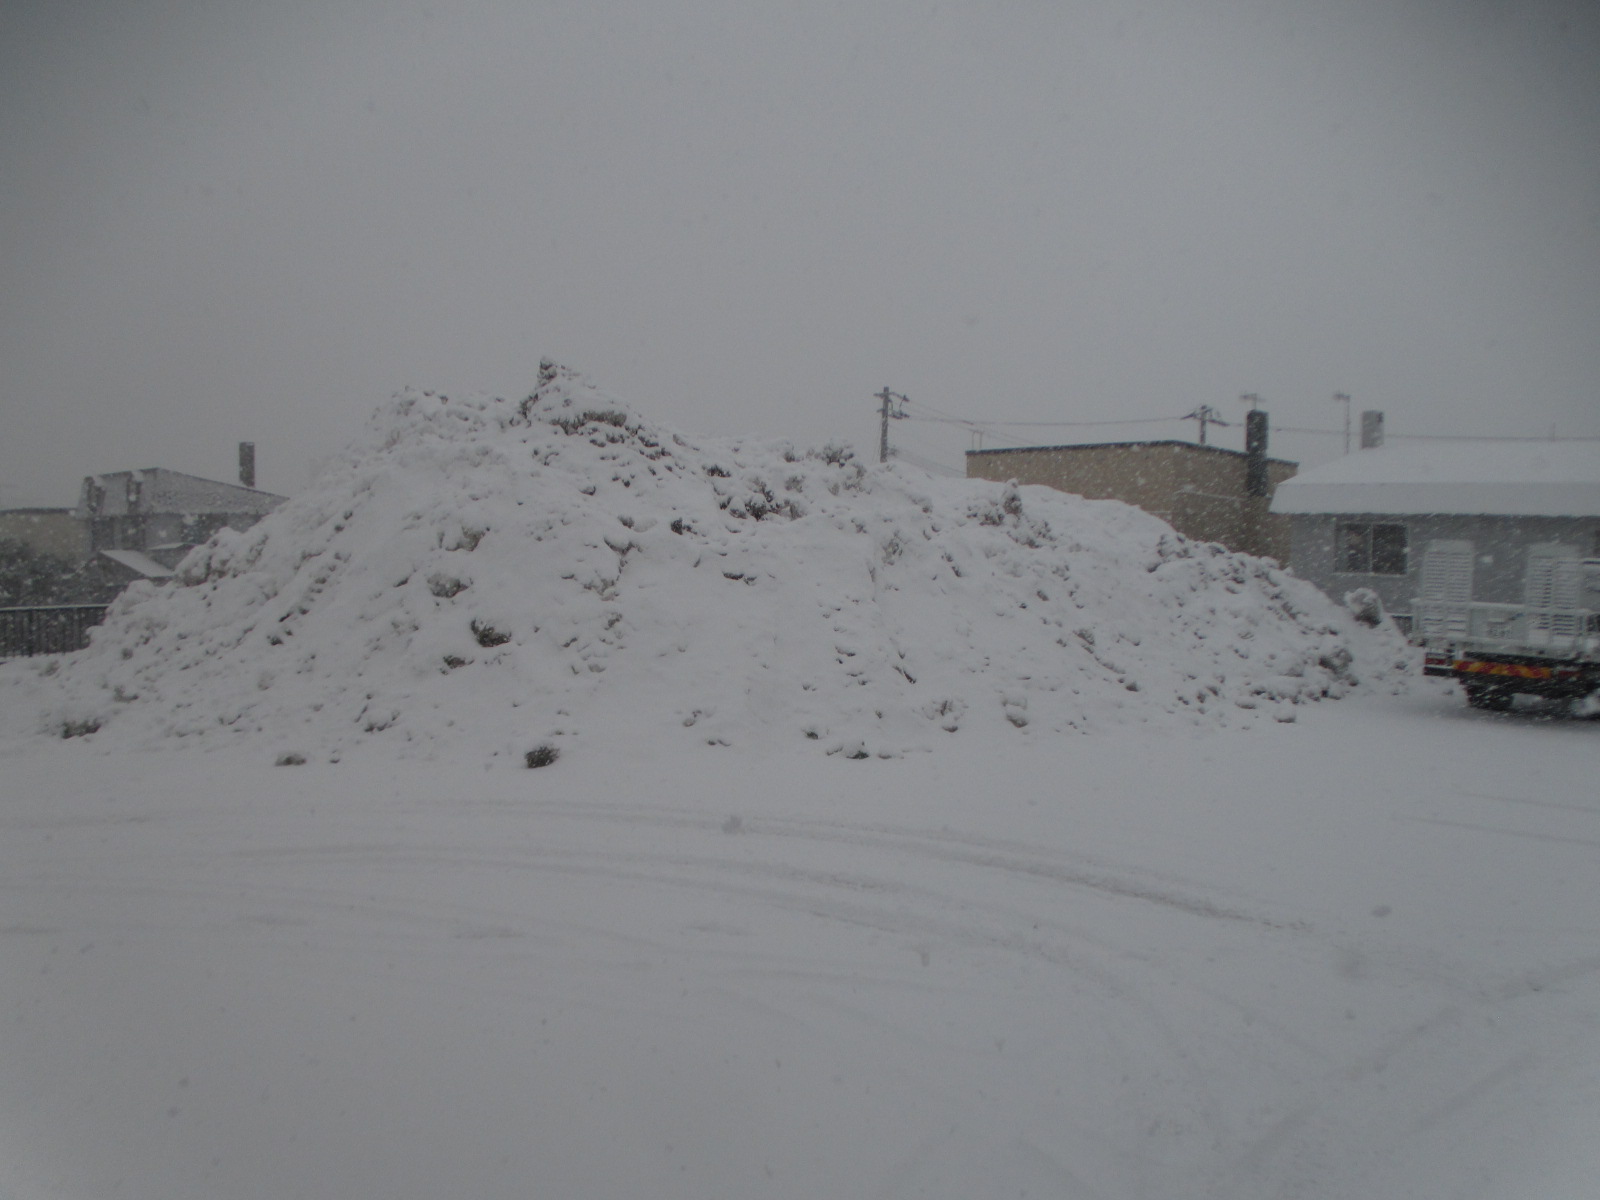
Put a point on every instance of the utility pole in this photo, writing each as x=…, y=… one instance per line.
x=1344, y=399
x=887, y=412
x=1206, y=415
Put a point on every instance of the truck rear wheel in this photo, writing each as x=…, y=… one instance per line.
x=1492, y=699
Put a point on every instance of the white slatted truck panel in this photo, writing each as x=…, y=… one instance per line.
x=1446, y=586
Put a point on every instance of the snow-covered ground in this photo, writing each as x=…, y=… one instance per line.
x=1357, y=955
x=896, y=837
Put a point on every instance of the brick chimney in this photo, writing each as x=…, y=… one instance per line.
x=247, y=464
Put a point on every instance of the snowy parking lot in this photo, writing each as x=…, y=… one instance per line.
x=891, y=837
x=1354, y=955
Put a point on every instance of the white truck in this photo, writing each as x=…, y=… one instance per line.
x=1548, y=645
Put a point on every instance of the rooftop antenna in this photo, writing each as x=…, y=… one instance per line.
x=1344, y=399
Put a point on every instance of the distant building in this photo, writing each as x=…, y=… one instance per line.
x=140, y=523
x=1204, y=492
x=1365, y=520
x=127, y=525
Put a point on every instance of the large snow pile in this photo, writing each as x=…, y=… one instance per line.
x=483, y=578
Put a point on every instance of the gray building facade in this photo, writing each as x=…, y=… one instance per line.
x=1365, y=521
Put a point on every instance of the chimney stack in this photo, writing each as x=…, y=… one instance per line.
x=247, y=464
x=1255, y=450
x=1371, y=429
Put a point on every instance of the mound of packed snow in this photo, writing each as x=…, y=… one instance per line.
x=487, y=578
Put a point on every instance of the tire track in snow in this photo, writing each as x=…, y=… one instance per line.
x=1559, y=839
x=954, y=912
x=1006, y=857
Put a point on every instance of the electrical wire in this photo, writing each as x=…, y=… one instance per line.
x=1436, y=437
x=927, y=464
x=971, y=424
x=1471, y=437
x=981, y=426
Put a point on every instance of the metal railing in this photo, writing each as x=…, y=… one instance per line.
x=47, y=629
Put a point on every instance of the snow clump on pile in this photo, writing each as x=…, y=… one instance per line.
x=483, y=578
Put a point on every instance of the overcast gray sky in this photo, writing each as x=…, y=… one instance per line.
x=255, y=219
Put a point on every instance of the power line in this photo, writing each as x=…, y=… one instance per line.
x=1435, y=437
x=907, y=410
x=1427, y=437
x=971, y=424
x=1473, y=437
x=923, y=407
x=927, y=464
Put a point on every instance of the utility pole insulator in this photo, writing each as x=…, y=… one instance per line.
x=1206, y=415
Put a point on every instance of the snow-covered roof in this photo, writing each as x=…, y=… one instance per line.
x=1526, y=479
x=164, y=491
x=142, y=563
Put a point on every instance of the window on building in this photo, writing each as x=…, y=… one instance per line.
x=1367, y=549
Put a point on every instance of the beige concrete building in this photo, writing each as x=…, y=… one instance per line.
x=1201, y=491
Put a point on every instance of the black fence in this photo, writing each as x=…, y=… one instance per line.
x=52, y=629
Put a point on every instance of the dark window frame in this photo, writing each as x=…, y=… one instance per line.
x=1371, y=548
